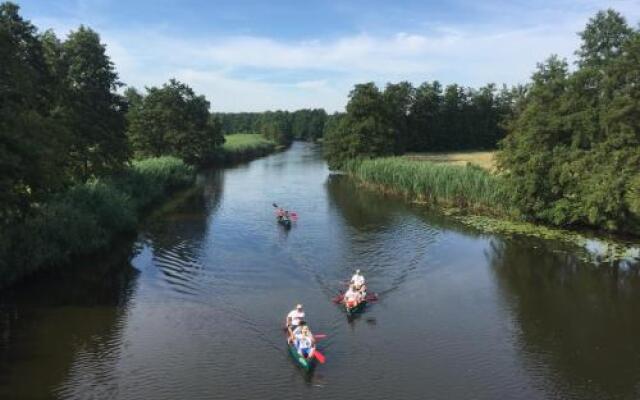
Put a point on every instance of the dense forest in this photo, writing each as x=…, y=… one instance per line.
x=305, y=124
x=402, y=118
x=569, y=140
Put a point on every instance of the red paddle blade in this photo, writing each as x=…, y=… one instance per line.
x=371, y=297
x=338, y=298
x=319, y=356
x=320, y=336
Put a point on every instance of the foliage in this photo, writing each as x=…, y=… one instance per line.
x=428, y=118
x=30, y=153
x=92, y=111
x=469, y=187
x=573, y=152
x=173, y=120
x=282, y=126
x=61, y=121
x=364, y=131
x=87, y=217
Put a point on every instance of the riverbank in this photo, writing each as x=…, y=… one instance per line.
x=88, y=217
x=240, y=147
x=475, y=197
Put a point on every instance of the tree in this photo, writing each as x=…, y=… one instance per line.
x=173, y=120
x=30, y=152
x=91, y=108
x=573, y=151
x=364, y=131
x=424, y=117
x=398, y=98
x=603, y=39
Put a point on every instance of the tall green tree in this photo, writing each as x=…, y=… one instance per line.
x=364, y=131
x=92, y=109
x=30, y=151
x=173, y=120
x=573, y=153
x=398, y=98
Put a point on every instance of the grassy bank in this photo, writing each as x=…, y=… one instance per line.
x=468, y=187
x=245, y=146
x=484, y=159
x=476, y=198
x=87, y=217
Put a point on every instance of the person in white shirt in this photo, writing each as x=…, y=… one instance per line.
x=358, y=281
x=294, y=318
x=304, y=341
x=352, y=297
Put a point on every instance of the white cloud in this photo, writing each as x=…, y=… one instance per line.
x=252, y=73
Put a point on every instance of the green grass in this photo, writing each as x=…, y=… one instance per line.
x=246, y=146
x=87, y=217
x=467, y=187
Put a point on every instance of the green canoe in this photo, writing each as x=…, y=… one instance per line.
x=304, y=363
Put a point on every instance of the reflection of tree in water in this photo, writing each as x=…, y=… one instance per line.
x=48, y=322
x=176, y=233
x=577, y=321
x=362, y=209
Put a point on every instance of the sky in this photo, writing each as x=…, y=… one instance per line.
x=268, y=55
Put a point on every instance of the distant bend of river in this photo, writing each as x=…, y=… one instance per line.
x=193, y=309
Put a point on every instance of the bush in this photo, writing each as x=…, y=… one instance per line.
x=87, y=217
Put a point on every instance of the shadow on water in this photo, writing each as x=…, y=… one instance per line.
x=51, y=321
x=578, y=323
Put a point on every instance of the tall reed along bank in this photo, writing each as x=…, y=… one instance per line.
x=466, y=187
x=477, y=198
x=88, y=217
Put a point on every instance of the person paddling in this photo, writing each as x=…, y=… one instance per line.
x=352, y=297
x=294, y=319
x=358, y=281
x=304, y=341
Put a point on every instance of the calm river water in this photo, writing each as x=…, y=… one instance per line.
x=192, y=308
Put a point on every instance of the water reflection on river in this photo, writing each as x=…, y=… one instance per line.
x=193, y=309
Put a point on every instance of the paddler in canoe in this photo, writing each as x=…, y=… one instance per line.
x=358, y=281
x=303, y=341
x=352, y=298
x=293, y=320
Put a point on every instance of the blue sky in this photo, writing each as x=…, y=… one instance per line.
x=260, y=55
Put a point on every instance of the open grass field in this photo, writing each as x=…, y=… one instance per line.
x=246, y=146
x=242, y=141
x=484, y=159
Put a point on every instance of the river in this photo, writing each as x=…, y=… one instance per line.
x=192, y=308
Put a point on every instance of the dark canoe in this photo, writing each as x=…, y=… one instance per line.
x=357, y=309
x=284, y=222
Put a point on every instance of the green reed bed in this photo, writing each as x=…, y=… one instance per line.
x=87, y=217
x=246, y=146
x=467, y=187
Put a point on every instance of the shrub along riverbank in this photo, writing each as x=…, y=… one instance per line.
x=88, y=217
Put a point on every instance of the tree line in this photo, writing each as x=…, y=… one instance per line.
x=569, y=141
x=430, y=117
x=281, y=126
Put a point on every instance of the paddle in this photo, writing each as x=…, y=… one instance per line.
x=319, y=356
x=320, y=336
